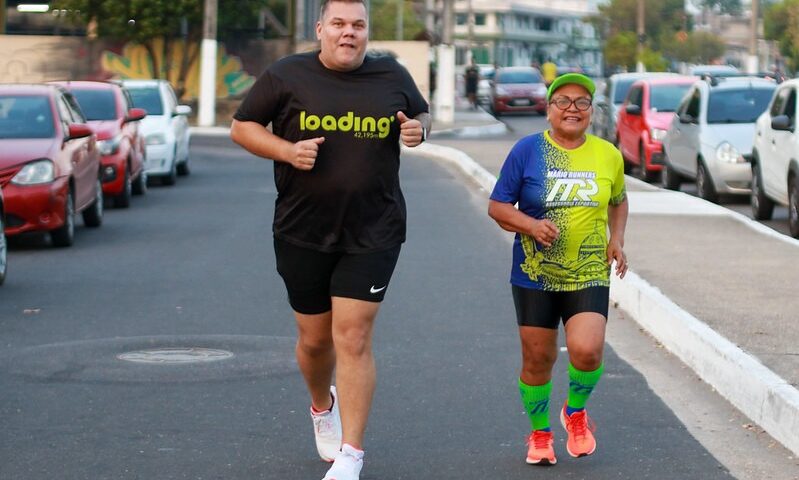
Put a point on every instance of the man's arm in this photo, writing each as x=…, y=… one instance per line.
x=256, y=139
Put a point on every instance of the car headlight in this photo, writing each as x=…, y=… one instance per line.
x=501, y=91
x=156, y=139
x=726, y=153
x=110, y=146
x=657, y=134
x=541, y=91
x=34, y=173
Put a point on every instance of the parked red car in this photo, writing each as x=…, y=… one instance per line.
x=108, y=108
x=49, y=163
x=644, y=119
x=518, y=89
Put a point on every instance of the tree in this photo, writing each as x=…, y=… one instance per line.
x=781, y=23
x=708, y=47
x=659, y=16
x=383, y=20
x=620, y=50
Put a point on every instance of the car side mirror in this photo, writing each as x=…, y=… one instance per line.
x=135, y=114
x=633, y=109
x=687, y=118
x=782, y=122
x=78, y=130
x=184, y=110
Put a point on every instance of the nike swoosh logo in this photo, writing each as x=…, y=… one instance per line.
x=377, y=290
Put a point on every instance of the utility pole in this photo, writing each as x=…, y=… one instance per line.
x=639, y=52
x=400, y=20
x=445, y=76
x=207, y=116
x=2, y=17
x=752, y=63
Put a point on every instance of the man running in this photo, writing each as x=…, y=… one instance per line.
x=337, y=118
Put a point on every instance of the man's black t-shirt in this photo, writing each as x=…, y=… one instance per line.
x=351, y=200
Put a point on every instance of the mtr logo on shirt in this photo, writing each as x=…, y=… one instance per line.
x=571, y=189
x=362, y=127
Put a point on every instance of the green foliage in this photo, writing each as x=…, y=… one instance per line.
x=781, y=23
x=620, y=50
x=694, y=47
x=659, y=16
x=383, y=20
x=653, y=61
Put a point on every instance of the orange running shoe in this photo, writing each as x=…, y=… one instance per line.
x=540, y=451
x=579, y=427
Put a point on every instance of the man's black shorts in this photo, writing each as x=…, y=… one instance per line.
x=313, y=277
x=540, y=308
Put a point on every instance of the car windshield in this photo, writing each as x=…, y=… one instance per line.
x=622, y=87
x=738, y=106
x=666, y=98
x=96, y=104
x=148, y=99
x=26, y=117
x=523, y=76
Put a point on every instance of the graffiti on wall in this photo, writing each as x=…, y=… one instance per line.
x=134, y=63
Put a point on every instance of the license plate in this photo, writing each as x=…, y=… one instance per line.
x=521, y=102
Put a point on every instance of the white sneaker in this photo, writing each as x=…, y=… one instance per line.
x=347, y=466
x=327, y=430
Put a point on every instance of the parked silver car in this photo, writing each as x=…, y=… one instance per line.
x=710, y=138
x=775, y=158
x=608, y=102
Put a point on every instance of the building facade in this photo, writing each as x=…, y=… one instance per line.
x=521, y=32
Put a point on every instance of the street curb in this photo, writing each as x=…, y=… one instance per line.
x=476, y=131
x=765, y=397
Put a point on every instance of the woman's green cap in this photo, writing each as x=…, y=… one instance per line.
x=572, y=78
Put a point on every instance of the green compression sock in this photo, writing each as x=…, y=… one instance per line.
x=535, y=399
x=581, y=384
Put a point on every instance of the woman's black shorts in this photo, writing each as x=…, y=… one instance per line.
x=540, y=308
x=313, y=277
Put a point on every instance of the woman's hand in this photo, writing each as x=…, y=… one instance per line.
x=544, y=231
x=616, y=252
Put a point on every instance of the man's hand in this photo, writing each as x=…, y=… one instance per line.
x=410, y=130
x=303, y=153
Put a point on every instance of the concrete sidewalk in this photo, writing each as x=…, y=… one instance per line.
x=715, y=288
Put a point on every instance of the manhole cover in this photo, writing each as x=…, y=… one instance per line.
x=176, y=355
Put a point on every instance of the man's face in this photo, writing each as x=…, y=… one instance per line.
x=343, y=31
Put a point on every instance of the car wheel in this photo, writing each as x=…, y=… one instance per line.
x=183, y=168
x=704, y=184
x=64, y=235
x=93, y=215
x=140, y=183
x=172, y=176
x=3, y=251
x=643, y=173
x=669, y=179
x=793, y=206
x=123, y=199
x=762, y=206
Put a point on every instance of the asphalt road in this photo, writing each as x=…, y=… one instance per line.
x=192, y=267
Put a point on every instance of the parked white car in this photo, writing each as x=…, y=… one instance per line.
x=775, y=158
x=710, y=139
x=165, y=129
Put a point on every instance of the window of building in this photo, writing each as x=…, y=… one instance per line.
x=479, y=18
x=543, y=23
x=461, y=18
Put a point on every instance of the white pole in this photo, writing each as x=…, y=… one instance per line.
x=445, y=84
x=207, y=116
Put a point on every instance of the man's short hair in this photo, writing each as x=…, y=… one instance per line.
x=325, y=3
